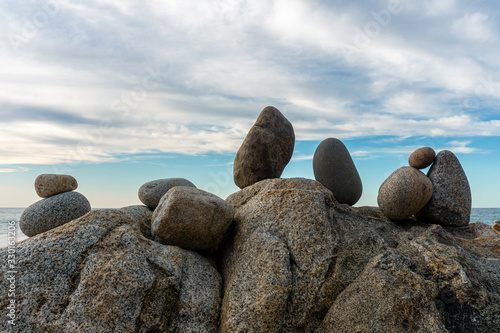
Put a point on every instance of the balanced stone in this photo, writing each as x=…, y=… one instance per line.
x=451, y=199
x=191, y=219
x=52, y=212
x=404, y=193
x=266, y=150
x=334, y=168
x=496, y=225
x=422, y=157
x=47, y=185
x=151, y=192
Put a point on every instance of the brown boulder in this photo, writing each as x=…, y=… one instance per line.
x=422, y=157
x=266, y=150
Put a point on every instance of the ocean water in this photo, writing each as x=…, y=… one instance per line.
x=9, y=221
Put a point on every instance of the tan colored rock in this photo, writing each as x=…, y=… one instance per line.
x=142, y=216
x=266, y=150
x=47, y=185
x=192, y=219
x=404, y=193
x=422, y=157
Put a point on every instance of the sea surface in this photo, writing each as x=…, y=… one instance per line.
x=7, y=215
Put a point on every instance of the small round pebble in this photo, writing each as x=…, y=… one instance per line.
x=47, y=185
x=496, y=225
x=422, y=157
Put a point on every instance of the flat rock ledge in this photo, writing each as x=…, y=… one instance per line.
x=294, y=260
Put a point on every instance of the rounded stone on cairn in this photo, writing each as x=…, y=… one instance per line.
x=191, y=219
x=266, y=150
x=151, y=192
x=47, y=185
x=451, y=199
x=52, y=212
x=496, y=225
x=404, y=193
x=334, y=168
x=422, y=157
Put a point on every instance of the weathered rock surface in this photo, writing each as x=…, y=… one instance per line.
x=334, y=168
x=142, y=215
x=192, y=219
x=99, y=274
x=404, y=193
x=52, y=212
x=47, y=185
x=266, y=150
x=451, y=199
x=151, y=192
x=422, y=157
x=297, y=261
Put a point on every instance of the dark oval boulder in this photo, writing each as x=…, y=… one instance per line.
x=404, y=193
x=451, y=199
x=151, y=192
x=334, y=168
x=422, y=157
x=52, y=212
x=266, y=150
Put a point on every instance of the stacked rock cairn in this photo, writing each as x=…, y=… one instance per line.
x=60, y=204
x=177, y=213
x=442, y=196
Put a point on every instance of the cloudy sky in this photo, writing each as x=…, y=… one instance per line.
x=117, y=93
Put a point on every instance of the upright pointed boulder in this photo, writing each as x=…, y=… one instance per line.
x=266, y=150
x=451, y=199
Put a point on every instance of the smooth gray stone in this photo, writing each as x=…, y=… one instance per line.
x=451, y=199
x=151, y=192
x=52, y=212
x=404, y=193
x=334, y=168
x=266, y=150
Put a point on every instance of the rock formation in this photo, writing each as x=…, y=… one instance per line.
x=294, y=260
x=451, y=199
x=266, y=150
x=151, y=192
x=404, y=193
x=99, y=274
x=422, y=157
x=334, y=168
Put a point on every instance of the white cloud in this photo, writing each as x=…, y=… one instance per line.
x=475, y=26
x=222, y=62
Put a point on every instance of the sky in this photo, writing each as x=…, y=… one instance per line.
x=118, y=93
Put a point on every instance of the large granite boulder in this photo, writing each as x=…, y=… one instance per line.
x=192, y=219
x=451, y=199
x=334, y=168
x=151, y=192
x=266, y=150
x=52, y=212
x=99, y=274
x=47, y=185
x=297, y=261
x=404, y=193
